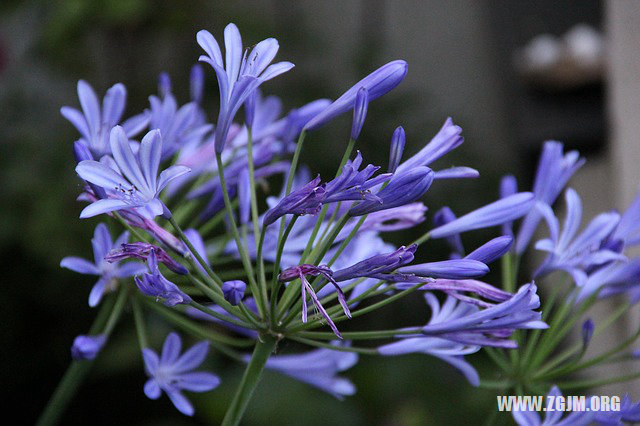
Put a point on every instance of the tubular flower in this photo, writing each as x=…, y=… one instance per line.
x=172, y=373
x=155, y=284
x=239, y=75
x=108, y=272
x=139, y=184
x=95, y=123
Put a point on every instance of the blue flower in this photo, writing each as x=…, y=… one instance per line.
x=554, y=171
x=492, y=325
x=140, y=186
x=87, y=347
x=172, y=372
x=379, y=266
x=492, y=250
x=576, y=254
x=532, y=418
x=155, y=284
x=402, y=189
x=141, y=250
x=453, y=269
x=614, y=278
x=108, y=272
x=508, y=186
x=300, y=272
x=378, y=83
x=499, y=212
x=319, y=368
x=239, y=75
x=95, y=123
x=397, y=148
x=359, y=112
x=447, y=350
x=233, y=291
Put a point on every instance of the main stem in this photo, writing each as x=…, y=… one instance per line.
x=261, y=353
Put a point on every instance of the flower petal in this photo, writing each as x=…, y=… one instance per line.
x=151, y=389
x=126, y=160
x=169, y=174
x=171, y=349
x=149, y=155
x=198, y=382
x=192, y=358
x=97, y=292
x=77, y=119
x=103, y=206
x=101, y=175
x=180, y=402
x=79, y=265
x=90, y=106
x=113, y=104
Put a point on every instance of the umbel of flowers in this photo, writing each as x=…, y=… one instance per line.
x=185, y=194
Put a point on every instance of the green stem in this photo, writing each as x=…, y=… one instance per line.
x=363, y=351
x=261, y=353
x=70, y=383
x=244, y=257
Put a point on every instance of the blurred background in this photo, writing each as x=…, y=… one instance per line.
x=512, y=74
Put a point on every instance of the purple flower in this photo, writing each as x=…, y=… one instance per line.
x=455, y=288
x=452, y=269
x=319, y=368
x=576, y=254
x=306, y=200
x=393, y=219
x=554, y=171
x=300, y=272
x=178, y=126
x=496, y=213
x=402, y=189
x=239, y=75
x=141, y=187
x=492, y=250
x=378, y=83
x=359, y=112
x=95, y=123
x=244, y=196
x=397, y=148
x=496, y=322
x=172, y=372
x=155, y=284
x=142, y=250
x=532, y=418
x=379, y=266
x=355, y=184
x=456, y=173
x=87, y=347
x=108, y=272
x=612, y=279
x=442, y=217
x=233, y=291
x=447, y=350
x=629, y=412
x=447, y=139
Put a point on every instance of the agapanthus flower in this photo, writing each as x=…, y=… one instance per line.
x=95, y=123
x=233, y=291
x=108, y=272
x=447, y=139
x=554, y=171
x=453, y=269
x=492, y=325
x=612, y=279
x=155, y=284
x=451, y=352
x=457, y=289
x=378, y=83
x=172, y=373
x=491, y=250
x=379, y=266
x=442, y=217
x=359, y=112
x=239, y=75
x=351, y=184
x=397, y=148
x=87, y=347
x=553, y=418
x=499, y=212
x=318, y=368
x=572, y=253
x=141, y=250
x=402, y=189
x=178, y=125
x=300, y=272
x=139, y=184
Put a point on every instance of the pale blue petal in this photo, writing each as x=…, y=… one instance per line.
x=198, y=382
x=233, y=52
x=149, y=154
x=192, y=358
x=101, y=242
x=210, y=46
x=90, y=106
x=136, y=124
x=101, y=175
x=97, y=292
x=275, y=70
x=151, y=361
x=103, y=206
x=79, y=265
x=113, y=104
x=126, y=160
x=180, y=402
x=130, y=269
x=151, y=389
x=77, y=119
x=169, y=174
x=171, y=349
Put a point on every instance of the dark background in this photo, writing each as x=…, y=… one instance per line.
x=460, y=65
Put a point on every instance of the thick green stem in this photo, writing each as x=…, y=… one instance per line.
x=70, y=383
x=264, y=346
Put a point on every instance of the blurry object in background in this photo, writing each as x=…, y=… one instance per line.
x=553, y=63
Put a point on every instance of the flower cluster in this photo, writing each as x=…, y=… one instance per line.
x=320, y=239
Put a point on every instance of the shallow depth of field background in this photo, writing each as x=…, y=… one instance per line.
x=462, y=64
